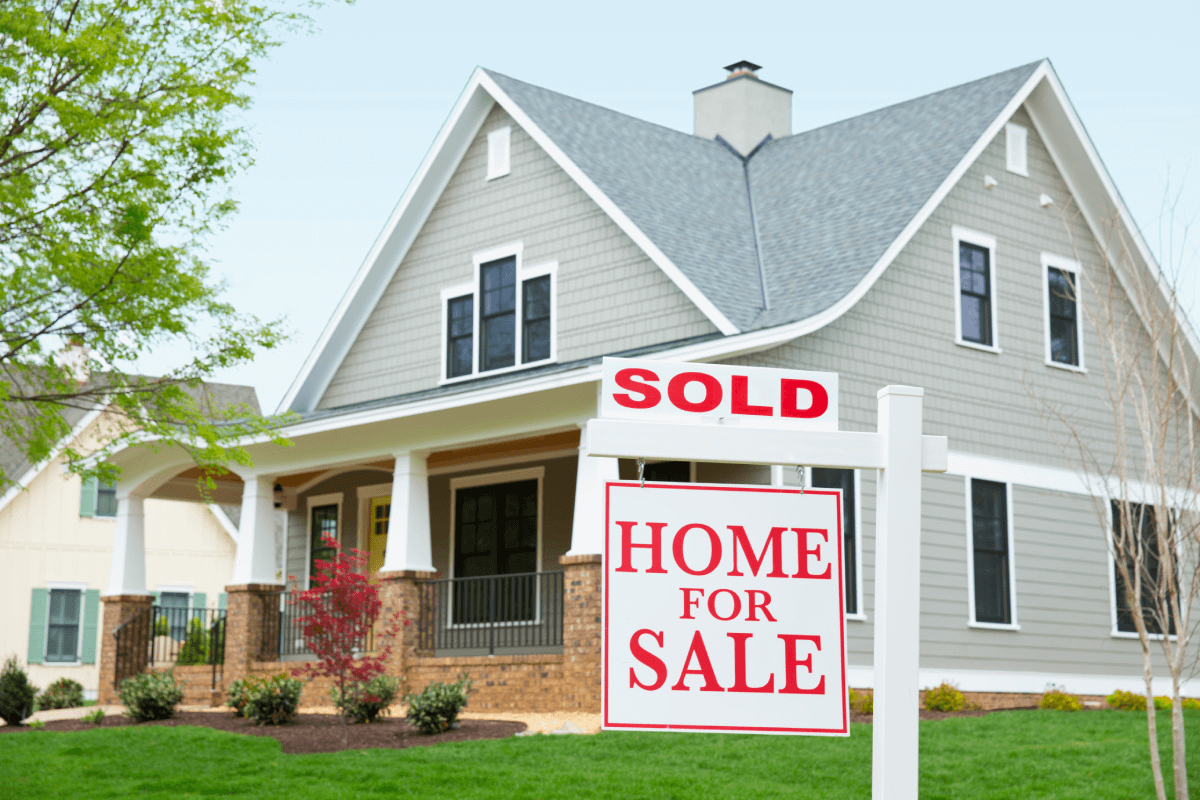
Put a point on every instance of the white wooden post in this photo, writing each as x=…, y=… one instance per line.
x=254, y=561
x=127, y=571
x=408, y=544
x=894, y=773
x=587, y=525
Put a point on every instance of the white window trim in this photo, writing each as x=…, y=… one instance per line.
x=501, y=137
x=365, y=495
x=1115, y=633
x=1012, y=561
x=861, y=614
x=1049, y=261
x=331, y=499
x=1022, y=133
x=959, y=235
x=489, y=479
x=523, y=273
x=82, y=589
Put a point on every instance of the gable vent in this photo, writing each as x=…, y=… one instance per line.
x=498, y=147
x=1016, y=147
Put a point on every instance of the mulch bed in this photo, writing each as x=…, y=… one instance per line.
x=310, y=733
x=925, y=714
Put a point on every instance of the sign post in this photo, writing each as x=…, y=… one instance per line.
x=743, y=415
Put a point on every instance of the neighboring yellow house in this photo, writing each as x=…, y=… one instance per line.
x=56, y=541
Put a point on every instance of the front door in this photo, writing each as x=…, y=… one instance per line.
x=378, y=514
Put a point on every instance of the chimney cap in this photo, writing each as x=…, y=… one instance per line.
x=747, y=66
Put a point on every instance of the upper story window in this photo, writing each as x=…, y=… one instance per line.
x=512, y=309
x=1064, y=332
x=498, y=152
x=975, y=277
x=97, y=499
x=1016, y=149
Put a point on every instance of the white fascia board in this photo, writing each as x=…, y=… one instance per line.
x=23, y=482
x=391, y=246
x=618, y=216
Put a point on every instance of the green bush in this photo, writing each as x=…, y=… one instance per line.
x=161, y=627
x=195, y=644
x=16, y=693
x=1127, y=701
x=273, y=700
x=1162, y=703
x=436, y=708
x=94, y=717
x=151, y=695
x=945, y=697
x=236, y=696
x=1191, y=704
x=366, y=701
x=1060, y=701
x=862, y=702
x=63, y=693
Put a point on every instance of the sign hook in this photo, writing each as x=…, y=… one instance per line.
x=641, y=473
x=800, y=477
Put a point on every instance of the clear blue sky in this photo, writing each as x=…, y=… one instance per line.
x=343, y=117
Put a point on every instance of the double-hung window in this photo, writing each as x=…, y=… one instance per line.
x=97, y=499
x=843, y=479
x=990, y=554
x=1064, y=331
x=503, y=320
x=63, y=622
x=975, y=278
x=62, y=628
x=1142, y=561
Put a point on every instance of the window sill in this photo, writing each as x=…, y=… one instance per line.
x=995, y=626
x=62, y=663
x=856, y=617
x=987, y=348
x=1067, y=367
x=501, y=371
x=1154, y=637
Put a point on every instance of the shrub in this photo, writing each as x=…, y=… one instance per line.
x=94, y=717
x=436, y=708
x=862, y=702
x=237, y=697
x=1191, y=704
x=945, y=697
x=1162, y=703
x=273, y=700
x=1127, y=701
x=161, y=627
x=195, y=644
x=63, y=693
x=151, y=695
x=16, y=693
x=1060, y=701
x=37, y=724
x=366, y=701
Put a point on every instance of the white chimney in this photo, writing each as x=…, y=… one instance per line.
x=743, y=109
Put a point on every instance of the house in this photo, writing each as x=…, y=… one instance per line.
x=56, y=548
x=443, y=410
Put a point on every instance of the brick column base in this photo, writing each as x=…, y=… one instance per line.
x=118, y=609
x=251, y=609
x=400, y=593
x=582, y=584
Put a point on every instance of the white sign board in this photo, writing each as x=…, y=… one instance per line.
x=723, y=609
x=687, y=392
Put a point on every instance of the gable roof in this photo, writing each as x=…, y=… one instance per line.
x=769, y=248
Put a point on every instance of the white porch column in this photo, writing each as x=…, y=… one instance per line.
x=127, y=572
x=408, y=542
x=255, y=559
x=587, y=527
x=897, y=596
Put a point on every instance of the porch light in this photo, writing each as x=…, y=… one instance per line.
x=278, y=494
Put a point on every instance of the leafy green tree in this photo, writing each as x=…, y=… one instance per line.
x=119, y=133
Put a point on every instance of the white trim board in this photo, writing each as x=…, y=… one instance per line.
x=978, y=680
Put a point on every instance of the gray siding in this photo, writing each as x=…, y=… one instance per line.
x=611, y=297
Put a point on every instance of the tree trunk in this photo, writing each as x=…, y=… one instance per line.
x=1178, y=743
x=1160, y=791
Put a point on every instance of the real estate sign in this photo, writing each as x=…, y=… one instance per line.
x=723, y=609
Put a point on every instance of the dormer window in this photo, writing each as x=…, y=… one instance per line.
x=512, y=308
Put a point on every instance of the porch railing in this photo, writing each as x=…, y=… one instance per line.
x=515, y=613
x=161, y=637
x=287, y=638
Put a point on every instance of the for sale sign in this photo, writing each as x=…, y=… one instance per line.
x=723, y=610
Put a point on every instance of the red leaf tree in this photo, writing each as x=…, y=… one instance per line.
x=340, y=611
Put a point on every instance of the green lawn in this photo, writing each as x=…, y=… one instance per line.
x=1026, y=754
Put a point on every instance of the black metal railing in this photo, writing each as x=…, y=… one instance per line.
x=490, y=613
x=288, y=633
x=159, y=637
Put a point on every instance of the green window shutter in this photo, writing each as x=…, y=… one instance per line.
x=39, y=607
x=91, y=621
x=156, y=594
x=87, y=498
x=222, y=601
x=199, y=599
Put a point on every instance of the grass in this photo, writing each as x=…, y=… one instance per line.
x=1028, y=754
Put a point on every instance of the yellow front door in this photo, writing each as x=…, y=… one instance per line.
x=378, y=514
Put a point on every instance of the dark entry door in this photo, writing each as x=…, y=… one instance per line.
x=495, y=534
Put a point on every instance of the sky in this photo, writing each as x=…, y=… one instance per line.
x=343, y=116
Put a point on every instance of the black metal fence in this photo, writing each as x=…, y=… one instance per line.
x=288, y=634
x=490, y=613
x=159, y=637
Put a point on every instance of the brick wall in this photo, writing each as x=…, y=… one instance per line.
x=500, y=683
x=582, y=584
x=117, y=610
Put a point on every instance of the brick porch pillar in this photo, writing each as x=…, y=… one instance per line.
x=400, y=592
x=582, y=582
x=251, y=609
x=118, y=609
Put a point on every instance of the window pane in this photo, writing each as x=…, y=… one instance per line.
x=989, y=520
x=1064, y=331
x=460, y=336
x=498, y=324
x=106, y=500
x=843, y=479
x=1143, y=518
x=324, y=522
x=499, y=342
x=536, y=320
x=62, y=633
x=976, y=300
